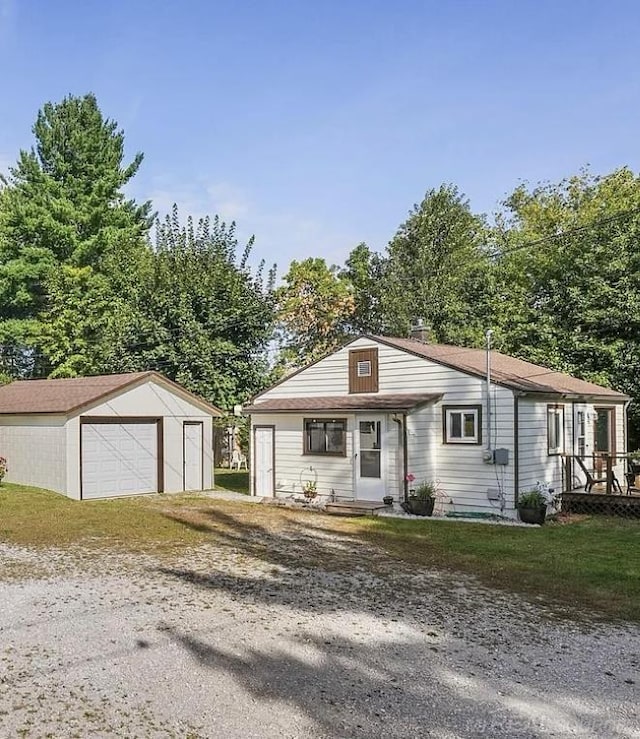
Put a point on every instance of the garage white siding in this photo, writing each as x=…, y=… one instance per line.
x=119, y=459
x=150, y=400
x=34, y=447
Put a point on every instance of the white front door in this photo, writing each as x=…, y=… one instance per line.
x=370, y=457
x=192, y=450
x=263, y=456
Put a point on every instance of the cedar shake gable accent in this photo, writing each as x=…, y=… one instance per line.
x=363, y=370
x=397, y=402
x=68, y=395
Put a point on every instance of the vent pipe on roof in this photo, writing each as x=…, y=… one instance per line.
x=421, y=331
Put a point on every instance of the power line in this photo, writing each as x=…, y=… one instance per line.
x=568, y=232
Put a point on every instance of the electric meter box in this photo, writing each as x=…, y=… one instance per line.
x=501, y=456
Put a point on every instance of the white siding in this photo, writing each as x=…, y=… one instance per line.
x=467, y=483
x=34, y=447
x=333, y=475
x=147, y=399
x=535, y=463
x=464, y=479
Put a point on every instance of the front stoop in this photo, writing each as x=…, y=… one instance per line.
x=354, y=507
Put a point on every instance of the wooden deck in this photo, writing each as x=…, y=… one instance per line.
x=599, y=502
x=354, y=507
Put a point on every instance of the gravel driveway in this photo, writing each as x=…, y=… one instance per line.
x=256, y=638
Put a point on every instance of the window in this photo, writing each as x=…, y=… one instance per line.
x=581, y=434
x=555, y=429
x=462, y=425
x=325, y=436
x=363, y=371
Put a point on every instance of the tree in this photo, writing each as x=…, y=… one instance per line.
x=315, y=307
x=365, y=271
x=568, y=269
x=196, y=312
x=62, y=205
x=438, y=270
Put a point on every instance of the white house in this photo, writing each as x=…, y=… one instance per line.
x=363, y=421
x=111, y=435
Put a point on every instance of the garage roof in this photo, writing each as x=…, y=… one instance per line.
x=71, y=394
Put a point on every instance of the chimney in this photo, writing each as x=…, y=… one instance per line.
x=421, y=331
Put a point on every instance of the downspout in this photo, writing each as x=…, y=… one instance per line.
x=402, y=427
x=516, y=450
x=488, y=335
x=625, y=425
x=405, y=458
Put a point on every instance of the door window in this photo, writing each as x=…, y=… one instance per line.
x=370, y=463
x=603, y=431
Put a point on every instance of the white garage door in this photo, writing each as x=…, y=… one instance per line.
x=119, y=459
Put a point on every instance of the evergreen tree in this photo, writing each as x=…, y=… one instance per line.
x=62, y=205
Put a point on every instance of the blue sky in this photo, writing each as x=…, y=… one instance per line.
x=319, y=125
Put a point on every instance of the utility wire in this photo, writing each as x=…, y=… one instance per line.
x=567, y=232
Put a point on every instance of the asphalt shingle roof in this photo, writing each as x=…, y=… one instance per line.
x=505, y=370
x=400, y=402
x=62, y=395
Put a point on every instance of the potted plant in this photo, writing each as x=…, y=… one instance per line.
x=310, y=489
x=421, y=499
x=532, y=507
x=3, y=468
x=388, y=499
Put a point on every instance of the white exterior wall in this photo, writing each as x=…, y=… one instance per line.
x=535, y=462
x=465, y=481
x=333, y=475
x=463, y=477
x=34, y=447
x=294, y=468
x=148, y=399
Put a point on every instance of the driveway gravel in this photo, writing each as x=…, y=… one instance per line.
x=295, y=635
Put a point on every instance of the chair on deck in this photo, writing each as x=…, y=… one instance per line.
x=591, y=480
x=631, y=477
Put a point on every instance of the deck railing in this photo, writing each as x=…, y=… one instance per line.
x=605, y=475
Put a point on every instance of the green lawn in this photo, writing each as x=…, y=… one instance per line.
x=235, y=480
x=592, y=564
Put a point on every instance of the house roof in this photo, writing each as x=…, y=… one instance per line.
x=505, y=370
x=399, y=402
x=67, y=395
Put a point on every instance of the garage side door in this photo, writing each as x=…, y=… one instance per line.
x=119, y=458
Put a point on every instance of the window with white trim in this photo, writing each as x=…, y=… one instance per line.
x=462, y=425
x=363, y=369
x=555, y=429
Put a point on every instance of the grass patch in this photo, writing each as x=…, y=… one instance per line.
x=34, y=517
x=592, y=564
x=235, y=480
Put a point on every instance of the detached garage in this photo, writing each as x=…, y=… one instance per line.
x=106, y=436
